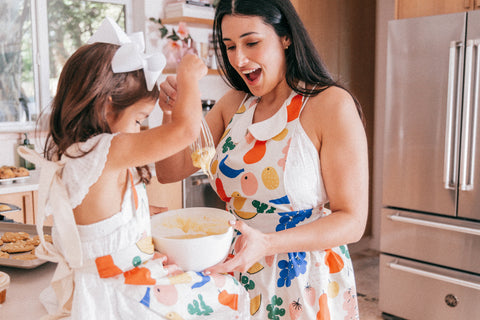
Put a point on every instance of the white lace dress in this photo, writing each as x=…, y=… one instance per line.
x=119, y=276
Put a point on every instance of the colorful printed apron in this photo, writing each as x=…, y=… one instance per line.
x=167, y=291
x=248, y=172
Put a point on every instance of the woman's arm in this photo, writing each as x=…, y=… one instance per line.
x=334, y=126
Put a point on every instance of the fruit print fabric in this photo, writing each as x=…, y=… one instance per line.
x=164, y=289
x=258, y=163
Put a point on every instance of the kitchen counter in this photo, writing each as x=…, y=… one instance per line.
x=22, y=301
x=27, y=185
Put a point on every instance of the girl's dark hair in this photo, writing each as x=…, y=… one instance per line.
x=87, y=82
x=302, y=59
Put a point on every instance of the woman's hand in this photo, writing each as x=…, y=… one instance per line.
x=168, y=94
x=250, y=247
x=191, y=68
x=156, y=210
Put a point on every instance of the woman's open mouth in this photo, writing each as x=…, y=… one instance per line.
x=252, y=74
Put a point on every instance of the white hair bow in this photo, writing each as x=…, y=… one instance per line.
x=130, y=56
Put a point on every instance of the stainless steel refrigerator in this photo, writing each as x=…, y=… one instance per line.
x=430, y=226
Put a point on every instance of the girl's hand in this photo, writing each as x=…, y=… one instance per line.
x=250, y=247
x=191, y=68
x=168, y=94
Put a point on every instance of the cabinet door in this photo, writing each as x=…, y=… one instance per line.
x=414, y=8
x=23, y=200
x=165, y=195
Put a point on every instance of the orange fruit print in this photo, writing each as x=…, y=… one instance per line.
x=293, y=109
x=333, y=261
x=256, y=153
x=324, y=312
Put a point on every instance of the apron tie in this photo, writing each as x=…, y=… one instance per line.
x=53, y=200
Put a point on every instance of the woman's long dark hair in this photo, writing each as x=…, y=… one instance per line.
x=86, y=84
x=302, y=59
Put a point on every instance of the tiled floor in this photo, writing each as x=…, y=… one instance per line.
x=365, y=265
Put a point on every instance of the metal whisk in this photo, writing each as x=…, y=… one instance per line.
x=203, y=149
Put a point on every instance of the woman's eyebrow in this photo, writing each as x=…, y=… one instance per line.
x=242, y=36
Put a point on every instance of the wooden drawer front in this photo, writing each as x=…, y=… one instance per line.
x=418, y=291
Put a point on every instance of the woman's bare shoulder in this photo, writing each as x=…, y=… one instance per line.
x=231, y=99
x=229, y=103
x=328, y=112
x=332, y=105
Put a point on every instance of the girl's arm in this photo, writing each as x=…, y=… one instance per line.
x=332, y=123
x=137, y=149
x=179, y=166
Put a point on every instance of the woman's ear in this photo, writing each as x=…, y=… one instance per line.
x=286, y=42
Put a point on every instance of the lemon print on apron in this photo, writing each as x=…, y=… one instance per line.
x=270, y=178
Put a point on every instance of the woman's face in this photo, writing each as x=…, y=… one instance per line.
x=131, y=118
x=255, y=51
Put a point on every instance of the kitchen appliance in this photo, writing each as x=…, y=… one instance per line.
x=430, y=224
x=197, y=192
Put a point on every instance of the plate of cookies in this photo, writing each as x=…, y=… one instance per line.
x=8, y=207
x=17, y=245
x=11, y=174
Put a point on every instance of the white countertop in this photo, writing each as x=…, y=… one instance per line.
x=22, y=301
x=30, y=184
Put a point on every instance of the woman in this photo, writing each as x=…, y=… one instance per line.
x=289, y=140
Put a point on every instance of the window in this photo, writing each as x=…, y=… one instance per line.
x=38, y=36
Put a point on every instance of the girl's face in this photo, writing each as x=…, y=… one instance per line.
x=131, y=118
x=255, y=51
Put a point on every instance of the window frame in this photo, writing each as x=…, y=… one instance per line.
x=41, y=62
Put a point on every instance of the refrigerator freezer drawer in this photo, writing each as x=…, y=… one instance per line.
x=444, y=241
x=418, y=291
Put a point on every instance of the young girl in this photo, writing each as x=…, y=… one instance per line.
x=107, y=267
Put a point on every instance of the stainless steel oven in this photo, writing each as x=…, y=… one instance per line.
x=197, y=192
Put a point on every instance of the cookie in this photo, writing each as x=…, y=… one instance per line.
x=6, y=173
x=21, y=172
x=47, y=237
x=14, y=236
x=35, y=241
x=1, y=242
x=4, y=255
x=16, y=247
x=28, y=256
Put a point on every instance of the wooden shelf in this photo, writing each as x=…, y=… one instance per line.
x=214, y=72
x=190, y=20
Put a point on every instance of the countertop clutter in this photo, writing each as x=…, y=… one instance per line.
x=24, y=184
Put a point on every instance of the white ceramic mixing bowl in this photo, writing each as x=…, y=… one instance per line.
x=193, y=238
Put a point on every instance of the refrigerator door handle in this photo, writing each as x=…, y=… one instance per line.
x=452, y=126
x=395, y=265
x=432, y=224
x=469, y=122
